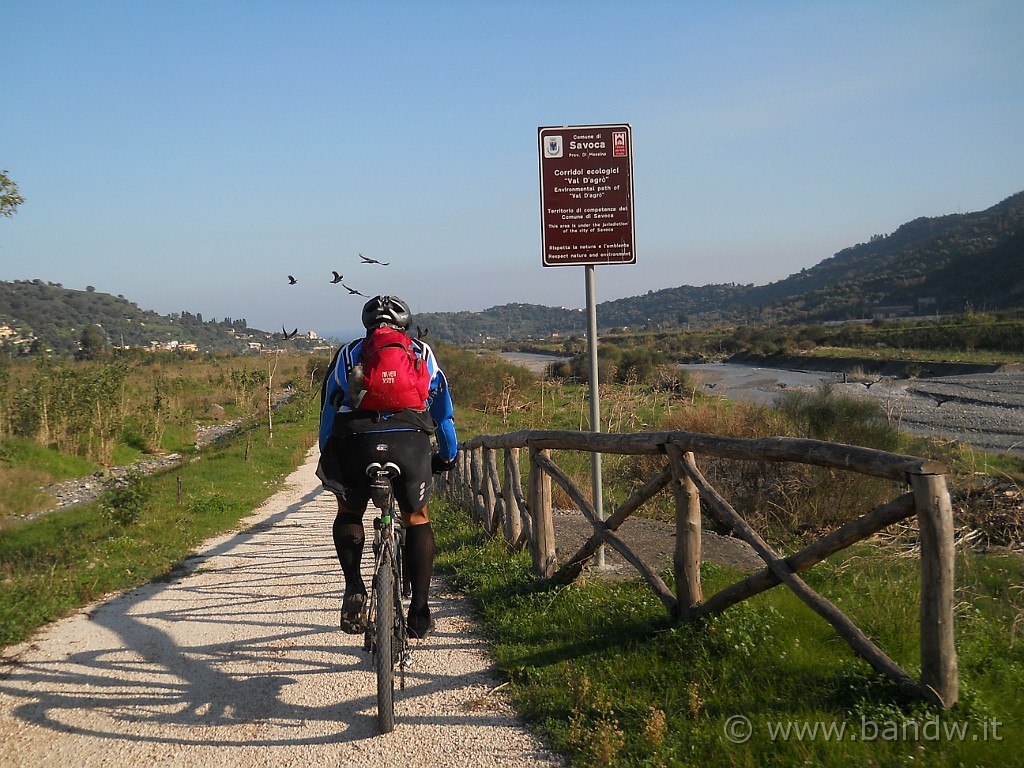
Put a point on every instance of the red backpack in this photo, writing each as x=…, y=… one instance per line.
x=393, y=377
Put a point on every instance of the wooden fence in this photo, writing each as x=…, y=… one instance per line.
x=494, y=497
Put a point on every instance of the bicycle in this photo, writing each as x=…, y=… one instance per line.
x=385, y=634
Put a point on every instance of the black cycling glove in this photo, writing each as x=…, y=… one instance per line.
x=439, y=465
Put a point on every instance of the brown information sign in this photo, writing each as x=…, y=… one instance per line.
x=586, y=195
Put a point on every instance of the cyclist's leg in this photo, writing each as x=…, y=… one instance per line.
x=351, y=488
x=419, y=562
x=349, y=539
x=412, y=492
x=348, y=543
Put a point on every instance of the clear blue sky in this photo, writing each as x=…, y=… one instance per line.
x=190, y=155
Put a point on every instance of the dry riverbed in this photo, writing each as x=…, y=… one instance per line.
x=985, y=410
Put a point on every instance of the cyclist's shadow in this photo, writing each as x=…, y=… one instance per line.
x=190, y=652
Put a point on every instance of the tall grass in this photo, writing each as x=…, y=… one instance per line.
x=53, y=565
x=63, y=419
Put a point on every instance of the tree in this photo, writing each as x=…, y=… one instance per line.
x=92, y=344
x=10, y=198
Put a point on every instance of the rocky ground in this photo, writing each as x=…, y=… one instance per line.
x=984, y=409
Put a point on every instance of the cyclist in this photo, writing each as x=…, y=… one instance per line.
x=351, y=438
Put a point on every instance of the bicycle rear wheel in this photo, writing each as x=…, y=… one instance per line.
x=385, y=634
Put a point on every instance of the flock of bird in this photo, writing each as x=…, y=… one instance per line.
x=338, y=280
x=292, y=280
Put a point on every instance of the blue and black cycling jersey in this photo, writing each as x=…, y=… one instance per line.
x=334, y=397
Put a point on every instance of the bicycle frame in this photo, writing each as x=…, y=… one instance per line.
x=385, y=636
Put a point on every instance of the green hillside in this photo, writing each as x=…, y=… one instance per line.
x=941, y=265
x=47, y=316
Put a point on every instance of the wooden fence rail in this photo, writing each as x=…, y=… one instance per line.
x=494, y=497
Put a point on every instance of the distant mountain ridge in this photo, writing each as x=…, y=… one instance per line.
x=944, y=264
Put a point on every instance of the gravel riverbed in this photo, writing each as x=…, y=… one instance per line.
x=985, y=410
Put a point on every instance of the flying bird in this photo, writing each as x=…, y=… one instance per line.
x=421, y=332
x=289, y=335
x=368, y=260
x=868, y=384
x=292, y=280
x=337, y=277
x=353, y=290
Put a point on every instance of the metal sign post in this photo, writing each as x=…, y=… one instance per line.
x=586, y=200
x=595, y=403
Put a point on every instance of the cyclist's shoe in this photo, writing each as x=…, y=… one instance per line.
x=419, y=625
x=352, y=608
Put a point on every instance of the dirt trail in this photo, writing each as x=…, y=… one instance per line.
x=239, y=662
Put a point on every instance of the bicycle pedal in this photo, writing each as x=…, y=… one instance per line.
x=407, y=662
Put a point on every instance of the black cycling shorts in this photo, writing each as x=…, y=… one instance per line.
x=344, y=460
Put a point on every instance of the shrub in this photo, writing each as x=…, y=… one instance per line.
x=822, y=414
x=485, y=382
x=782, y=500
x=124, y=498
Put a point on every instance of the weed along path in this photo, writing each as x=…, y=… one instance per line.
x=238, y=661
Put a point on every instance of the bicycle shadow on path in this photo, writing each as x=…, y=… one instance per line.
x=242, y=653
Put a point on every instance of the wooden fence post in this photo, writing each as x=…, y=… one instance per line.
x=687, y=555
x=512, y=524
x=476, y=468
x=542, y=542
x=492, y=496
x=938, y=650
x=464, y=481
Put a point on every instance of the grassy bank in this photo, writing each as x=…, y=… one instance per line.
x=54, y=565
x=609, y=680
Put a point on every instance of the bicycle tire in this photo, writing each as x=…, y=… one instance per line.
x=385, y=633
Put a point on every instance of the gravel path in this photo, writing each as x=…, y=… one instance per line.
x=239, y=662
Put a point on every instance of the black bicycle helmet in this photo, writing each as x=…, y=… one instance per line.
x=386, y=310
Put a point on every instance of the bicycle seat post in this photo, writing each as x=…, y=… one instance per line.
x=380, y=485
